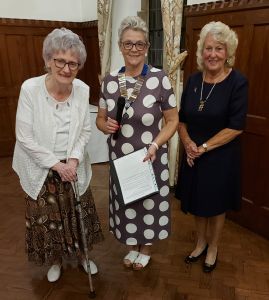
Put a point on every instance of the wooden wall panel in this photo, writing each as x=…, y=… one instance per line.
x=35, y=43
x=93, y=59
x=259, y=64
x=4, y=77
x=6, y=126
x=250, y=19
x=21, y=44
x=19, y=61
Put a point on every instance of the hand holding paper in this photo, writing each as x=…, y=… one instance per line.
x=135, y=176
x=151, y=154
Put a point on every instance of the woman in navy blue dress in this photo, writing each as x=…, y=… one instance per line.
x=212, y=117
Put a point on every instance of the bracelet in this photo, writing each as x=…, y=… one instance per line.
x=155, y=145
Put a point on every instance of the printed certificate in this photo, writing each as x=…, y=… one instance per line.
x=134, y=178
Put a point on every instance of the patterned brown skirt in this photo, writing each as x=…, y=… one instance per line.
x=53, y=226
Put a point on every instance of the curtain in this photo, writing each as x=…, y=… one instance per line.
x=172, y=59
x=104, y=13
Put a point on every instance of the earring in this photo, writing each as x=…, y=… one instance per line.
x=146, y=54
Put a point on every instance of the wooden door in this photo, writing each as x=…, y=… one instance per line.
x=251, y=22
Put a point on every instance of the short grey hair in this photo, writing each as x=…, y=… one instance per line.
x=224, y=35
x=62, y=40
x=134, y=23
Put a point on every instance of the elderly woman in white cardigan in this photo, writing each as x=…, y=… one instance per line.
x=52, y=131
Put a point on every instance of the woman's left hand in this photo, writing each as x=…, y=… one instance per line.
x=151, y=153
x=201, y=151
x=70, y=170
x=72, y=165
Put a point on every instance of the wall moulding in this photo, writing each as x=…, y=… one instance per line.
x=226, y=5
x=45, y=23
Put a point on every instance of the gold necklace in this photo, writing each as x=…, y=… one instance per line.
x=202, y=102
x=136, y=90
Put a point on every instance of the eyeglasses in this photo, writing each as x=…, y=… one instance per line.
x=60, y=63
x=128, y=45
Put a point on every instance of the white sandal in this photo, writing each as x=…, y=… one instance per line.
x=130, y=257
x=143, y=260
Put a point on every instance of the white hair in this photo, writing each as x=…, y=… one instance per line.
x=221, y=33
x=134, y=23
x=62, y=40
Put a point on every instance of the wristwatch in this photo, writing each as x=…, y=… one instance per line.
x=205, y=146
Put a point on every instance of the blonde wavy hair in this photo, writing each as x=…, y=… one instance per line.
x=223, y=34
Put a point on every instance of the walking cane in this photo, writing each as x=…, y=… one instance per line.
x=92, y=293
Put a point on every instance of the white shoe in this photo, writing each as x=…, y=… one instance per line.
x=54, y=273
x=93, y=267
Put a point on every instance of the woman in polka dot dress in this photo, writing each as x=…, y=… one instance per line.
x=148, y=98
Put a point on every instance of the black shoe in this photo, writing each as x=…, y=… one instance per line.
x=190, y=259
x=207, y=268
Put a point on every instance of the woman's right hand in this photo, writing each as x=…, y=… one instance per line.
x=111, y=126
x=191, y=149
x=105, y=123
x=190, y=161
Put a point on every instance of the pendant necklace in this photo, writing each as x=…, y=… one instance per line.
x=203, y=102
x=136, y=90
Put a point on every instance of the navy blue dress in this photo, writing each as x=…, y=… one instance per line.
x=213, y=185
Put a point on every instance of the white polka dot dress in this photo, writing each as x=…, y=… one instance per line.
x=147, y=220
